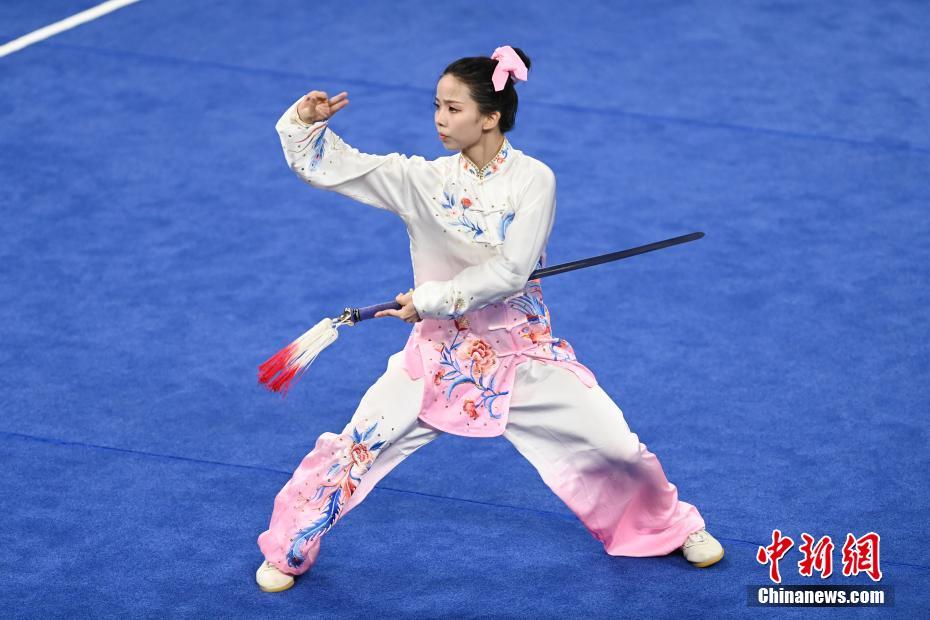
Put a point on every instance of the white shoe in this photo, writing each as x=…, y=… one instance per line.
x=702, y=549
x=270, y=579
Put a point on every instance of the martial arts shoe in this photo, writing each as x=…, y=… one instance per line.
x=270, y=579
x=702, y=549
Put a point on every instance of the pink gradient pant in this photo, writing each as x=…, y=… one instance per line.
x=575, y=436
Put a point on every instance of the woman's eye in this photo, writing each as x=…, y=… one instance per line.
x=436, y=105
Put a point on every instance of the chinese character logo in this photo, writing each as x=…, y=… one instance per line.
x=773, y=553
x=860, y=555
x=817, y=557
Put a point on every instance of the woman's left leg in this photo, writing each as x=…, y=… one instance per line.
x=577, y=439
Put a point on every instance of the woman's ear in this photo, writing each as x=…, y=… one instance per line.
x=491, y=120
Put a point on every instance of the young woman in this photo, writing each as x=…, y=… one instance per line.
x=481, y=359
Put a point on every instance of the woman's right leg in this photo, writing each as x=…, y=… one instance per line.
x=342, y=469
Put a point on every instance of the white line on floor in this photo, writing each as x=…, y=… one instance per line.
x=60, y=26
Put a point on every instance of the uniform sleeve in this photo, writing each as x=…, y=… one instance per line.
x=321, y=158
x=504, y=274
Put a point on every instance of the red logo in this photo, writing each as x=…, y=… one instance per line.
x=816, y=557
x=860, y=555
x=773, y=553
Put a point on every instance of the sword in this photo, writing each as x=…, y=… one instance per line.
x=281, y=370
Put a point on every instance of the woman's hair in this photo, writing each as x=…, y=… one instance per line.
x=475, y=72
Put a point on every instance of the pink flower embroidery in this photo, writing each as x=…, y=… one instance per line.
x=466, y=202
x=437, y=378
x=461, y=323
x=469, y=407
x=360, y=455
x=480, y=352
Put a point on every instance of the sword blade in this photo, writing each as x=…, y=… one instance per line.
x=360, y=314
x=606, y=258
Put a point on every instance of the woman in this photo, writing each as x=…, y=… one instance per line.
x=481, y=359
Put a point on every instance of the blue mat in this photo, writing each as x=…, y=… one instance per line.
x=156, y=249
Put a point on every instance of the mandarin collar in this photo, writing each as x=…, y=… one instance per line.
x=493, y=167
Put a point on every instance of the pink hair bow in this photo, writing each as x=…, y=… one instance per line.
x=508, y=64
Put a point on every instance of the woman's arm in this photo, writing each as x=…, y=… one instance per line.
x=321, y=158
x=504, y=274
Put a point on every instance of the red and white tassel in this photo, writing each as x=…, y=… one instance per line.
x=283, y=369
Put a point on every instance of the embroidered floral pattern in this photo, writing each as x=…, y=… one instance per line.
x=330, y=497
x=505, y=224
x=318, y=145
x=482, y=361
x=538, y=329
x=480, y=353
x=460, y=218
x=470, y=363
x=458, y=305
x=561, y=350
x=492, y=166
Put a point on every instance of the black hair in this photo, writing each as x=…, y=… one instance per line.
x=476, y=72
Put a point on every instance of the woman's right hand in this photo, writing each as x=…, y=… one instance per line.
x=316, y=106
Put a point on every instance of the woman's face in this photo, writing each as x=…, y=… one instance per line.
x=457, y=119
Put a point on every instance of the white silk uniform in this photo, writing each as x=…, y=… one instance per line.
x=475, y=237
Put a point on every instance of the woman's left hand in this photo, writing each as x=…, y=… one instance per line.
x=408, y=313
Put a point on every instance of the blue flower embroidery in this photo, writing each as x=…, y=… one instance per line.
x=317, y=145
x=532, y=306
x=359, y=458
x=539, y=325
x=448, y=203
x=457, y=376
x=505, y=224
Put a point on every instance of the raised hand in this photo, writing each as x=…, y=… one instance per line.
x=316, y=106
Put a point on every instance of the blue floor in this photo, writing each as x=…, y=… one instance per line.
x=155, y=249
